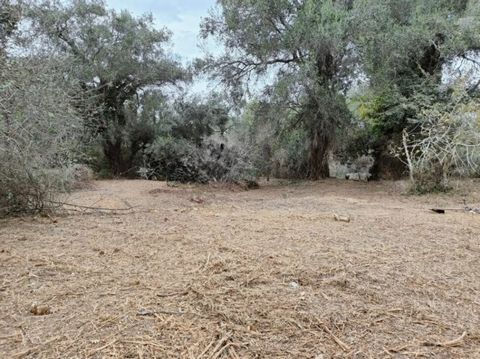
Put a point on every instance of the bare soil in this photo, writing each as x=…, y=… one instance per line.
x=204, y=272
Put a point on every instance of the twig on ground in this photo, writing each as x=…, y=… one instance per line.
x=222, y=349
x=219, y=347
x=24, y=353
x=450, y=343
x=174, y=294
x=3, y=337
x=93, y=208
x=33, y=349
x=144, y=343
x=206, y=349
x=341, y=344
x=113, y=342
x=233, y=353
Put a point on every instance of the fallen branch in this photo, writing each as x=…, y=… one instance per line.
x=450, y=343
x=339, y=218
x=466, y=209
x=174, y=294
x=25, y=352
x=36, y=348
x=206, y=349
x=93, y=208
x=219, y=347
x=226, y=346
x=341, y=344
x=144, y=343
x=104, y=347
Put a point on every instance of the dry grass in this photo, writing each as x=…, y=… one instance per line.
x=200, y=272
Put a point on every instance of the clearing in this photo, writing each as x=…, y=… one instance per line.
x=202, y=272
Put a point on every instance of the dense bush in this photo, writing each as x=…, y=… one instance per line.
x=38, y=133
x=198, y=147
x=174, y=159
x=447, y=144
x=185, y=140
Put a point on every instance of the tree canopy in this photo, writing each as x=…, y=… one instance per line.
x=305, y=46
x=114, y=55
x=317, y=50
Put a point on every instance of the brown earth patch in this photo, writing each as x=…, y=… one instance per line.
x=252, y=274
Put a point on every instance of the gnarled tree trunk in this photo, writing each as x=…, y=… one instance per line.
x=318, y=155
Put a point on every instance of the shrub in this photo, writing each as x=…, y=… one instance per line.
x=38, y=130
x=175, y=159
x=447, y=144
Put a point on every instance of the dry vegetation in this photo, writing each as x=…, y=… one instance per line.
x=201, y=272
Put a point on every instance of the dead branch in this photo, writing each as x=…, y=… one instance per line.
x=174, y=294
x=450, y=343
x=341, y=344
x=93, y=208
x=103, y=347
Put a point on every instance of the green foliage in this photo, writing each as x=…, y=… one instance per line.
x=38, y=135
x=314, y=50
x=109, y=47
x=402, y=42
x=200, y=147
x=390, y=112
x=121, y=65
x=110, y=68
x=186, y=140
x=196, y=120
x=115, y=55
x=10, y=14
x=403, y=47
x=305, y=47
x=447, y=143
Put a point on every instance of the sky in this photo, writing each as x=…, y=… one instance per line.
x=182, y=17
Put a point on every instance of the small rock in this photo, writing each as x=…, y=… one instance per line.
x=294, y=285
x=22, y=238
x=198, y=200
x=339, y=218
x=40, y=309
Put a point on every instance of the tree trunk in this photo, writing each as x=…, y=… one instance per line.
x=112, y=149
x=318, y=156
x=386, y=166
x=113, y=137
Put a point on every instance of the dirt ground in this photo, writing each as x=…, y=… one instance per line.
x=203, y=272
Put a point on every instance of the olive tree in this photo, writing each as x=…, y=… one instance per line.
x=314, y=50
x=405, y=47
x=447, y=143
x=305, y=46
x=10, y=12
x=114, y=56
